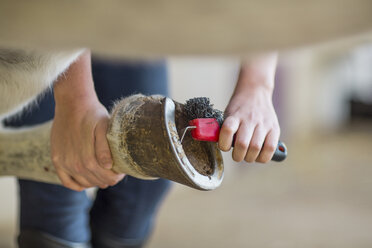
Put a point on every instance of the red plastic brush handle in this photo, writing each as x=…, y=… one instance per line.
x=207, y=129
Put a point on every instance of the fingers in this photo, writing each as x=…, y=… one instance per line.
x=82, y=176
x=80, y=153
x=96, y=159
x=228, y=129
x=83, y=181
x=242, y=141
x=107, y=176
x=270, y=145
x=68, y=182
x=91, y=174
x=102, y=148
x=253, y=143
x=256, y=144
x=103, y=156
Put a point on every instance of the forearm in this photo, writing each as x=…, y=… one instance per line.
x=250, y=114
x=257, y=73
x=80, y=151
x=75, y=87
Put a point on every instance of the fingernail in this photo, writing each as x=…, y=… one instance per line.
x=106, y=163
x=107, y=166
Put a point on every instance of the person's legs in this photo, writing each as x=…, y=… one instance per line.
x=123, y=215
x=51, y=216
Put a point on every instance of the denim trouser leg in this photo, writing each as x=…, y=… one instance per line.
x=111, y=222
x=121, y=214
x=54, y=210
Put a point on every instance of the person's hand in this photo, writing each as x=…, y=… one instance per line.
x=80, y=151
x=250, y=114
x=252, y=118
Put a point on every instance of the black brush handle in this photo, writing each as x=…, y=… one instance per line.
x=280, y=153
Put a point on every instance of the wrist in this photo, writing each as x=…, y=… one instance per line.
x=257, y=74
x=253, y=96
x=253, y=90
x=75, y=87
x=80, y=106
x=73, y=95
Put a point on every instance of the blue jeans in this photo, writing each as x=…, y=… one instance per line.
x=120, y=215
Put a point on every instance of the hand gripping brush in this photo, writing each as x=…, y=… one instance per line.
x=205, y=123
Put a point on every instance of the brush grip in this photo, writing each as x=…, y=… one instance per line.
x=280, y=152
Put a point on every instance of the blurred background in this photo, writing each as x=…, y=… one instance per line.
x=321, y=196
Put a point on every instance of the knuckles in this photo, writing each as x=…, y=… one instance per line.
x=255, y=147
x=253, y=117
x=78, y=168
x=241, y=145
x=227, y=130
x=270, y=148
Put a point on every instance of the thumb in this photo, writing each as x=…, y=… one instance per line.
x=102, y=148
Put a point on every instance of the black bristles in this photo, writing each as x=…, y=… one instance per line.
x=200, y=107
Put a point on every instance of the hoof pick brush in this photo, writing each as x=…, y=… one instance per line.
x=205, y=123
